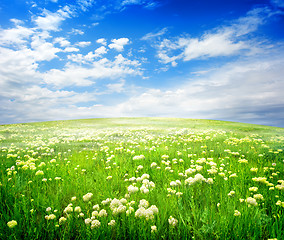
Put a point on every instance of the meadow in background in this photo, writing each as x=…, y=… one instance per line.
x=141, y=178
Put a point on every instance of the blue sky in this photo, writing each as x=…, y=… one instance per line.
x=133, y=58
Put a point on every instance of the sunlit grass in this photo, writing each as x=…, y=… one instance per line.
x=143, y=178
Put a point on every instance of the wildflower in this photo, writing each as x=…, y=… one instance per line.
x=62, y=220
x=111, y=223
x=132, y=189
x=172, y=221
x=253, y=189
x=77, y=209
x=96, y=207
x=48, y=209
x=251, y=201
x=88, y=221
x=143, y=203
x=39, y=172
x=87, y=197
x=258, y=196
x=73, y=199
x=153, y=229
x=102, y=213
x=237, y=213
x=231, y=194
x=95, y=224
x=153, y=164
x=12, y=224
x=109, y=178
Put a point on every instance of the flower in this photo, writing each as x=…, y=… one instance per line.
x=251, y=201
x=87, y=197
x=253, y=189
x=237, y=213
x=62, y=220
x=95, y=224
x=153, y=229
x=111, y=223
x=77, y=209
x=39, y=172
x=12, y=224
x=102, y=213
x=172, y=221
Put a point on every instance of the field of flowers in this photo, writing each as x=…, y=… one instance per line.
x=141, y=179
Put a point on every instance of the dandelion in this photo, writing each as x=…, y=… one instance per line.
x=12, y=224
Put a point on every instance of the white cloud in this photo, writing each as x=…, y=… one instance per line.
x=71, y=49
x=247, y=91
x=77, y=31
x=17, y=35
x=118, y=44
x=62, y=41
x=50, y=21
x=223, y=41
x=83, y=44
x=150, y=36
x=86, y=75
x=102, y=41
x=116, y=87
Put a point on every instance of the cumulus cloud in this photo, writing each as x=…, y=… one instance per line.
x=86, y=75
x=118, y=44
x=102, y=41
x=222, y=41
x=51, y=21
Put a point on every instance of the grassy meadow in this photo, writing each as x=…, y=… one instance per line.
x=141, y=178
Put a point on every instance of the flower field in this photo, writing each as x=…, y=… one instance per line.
x=141, y=178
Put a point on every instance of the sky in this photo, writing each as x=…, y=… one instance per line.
x=201, y=59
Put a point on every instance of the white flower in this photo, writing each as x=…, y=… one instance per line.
x=87, y=197
x=153, y=229
x=237, y=213
x=62, y=220
x=77, y=209
x=172, y=221
x=251, y=201
x=95, y=224
x=111, y=223
x=88, y=221
x=103, y=213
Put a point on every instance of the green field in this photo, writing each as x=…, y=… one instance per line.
x=141, y=178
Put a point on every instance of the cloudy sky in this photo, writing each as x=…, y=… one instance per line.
x=131, y=58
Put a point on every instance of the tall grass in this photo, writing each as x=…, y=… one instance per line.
x=208, y=180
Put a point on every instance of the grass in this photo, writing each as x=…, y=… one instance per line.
x=197, y=179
